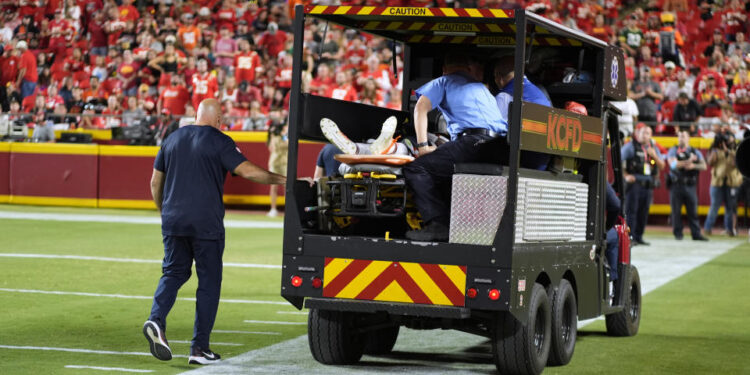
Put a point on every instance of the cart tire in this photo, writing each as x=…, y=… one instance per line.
x=381, y=341
x=519, y=349
x=627, y=321
x=333, y=337
x=564, y=325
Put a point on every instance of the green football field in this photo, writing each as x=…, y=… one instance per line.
x=74, y=295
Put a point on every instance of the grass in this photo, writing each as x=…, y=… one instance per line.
x=696, y=324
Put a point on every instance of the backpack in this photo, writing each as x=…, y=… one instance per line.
x=668, y=46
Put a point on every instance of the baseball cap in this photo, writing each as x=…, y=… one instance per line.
x=170, y=39
x=683, y=94
x=166, y=111
x=22, y=44
x=669, y=65
x=204, y=12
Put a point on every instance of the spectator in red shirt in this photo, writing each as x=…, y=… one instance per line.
x=52, y=99
x=27, y=72
x=248, y=94
x=97, y=34
x=272, y=41
x=128, y=12
x=284, y=75
x=60, y=33
x=224, y=49
x=95, y=91
x=342, y=90
x=127, y=73
x=601, y=30
x=320, y=84
x=174, y=97
x=204, y=84
x=113, y=26
x=246, y=63
x=226, y=17
x=740, y=97
x=10, y=63
x=712, y=100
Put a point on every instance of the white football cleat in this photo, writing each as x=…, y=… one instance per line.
x=334, y=135
x=383, y=142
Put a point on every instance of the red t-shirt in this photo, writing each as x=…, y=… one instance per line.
x=204, y=87
x=128, y=13
x=127, y=71
x=706, y=97
x=97, y=33
x=51, y=102
x=345, y=92
x=741, y=92
x=174, y=99
x=226, y=17
x=10, y=66
x=284, y=78
x=245, y=65
x=28, y=62
x=273, y=43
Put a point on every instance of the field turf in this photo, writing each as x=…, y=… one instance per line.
x=695, y=324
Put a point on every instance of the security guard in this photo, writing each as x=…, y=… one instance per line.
x=685, y=163
x=642, y=163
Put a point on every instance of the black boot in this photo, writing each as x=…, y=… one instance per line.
x=433, y=231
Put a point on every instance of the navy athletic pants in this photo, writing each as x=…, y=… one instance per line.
x=179, y=253
x=637, y=203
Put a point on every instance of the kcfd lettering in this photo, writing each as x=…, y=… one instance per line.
x=564, y=133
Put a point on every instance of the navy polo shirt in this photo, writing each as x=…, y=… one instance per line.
x=195, y=161
x=326, y=160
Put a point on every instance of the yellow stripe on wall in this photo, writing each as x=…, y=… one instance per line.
x=126, y=203
x=52, y=201
x=251, y=199
x=4, y=146
x=4, y=198
x=128, y=150
x=54, y=148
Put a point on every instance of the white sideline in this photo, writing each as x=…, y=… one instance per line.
x=246, y=332
x=120, y=369
x=77, y=350
x=127, y=219
x=212, y=343
x=85, y=294
x=277, y=323
x=123, y=260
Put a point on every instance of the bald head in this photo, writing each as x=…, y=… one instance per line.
x=209, y=113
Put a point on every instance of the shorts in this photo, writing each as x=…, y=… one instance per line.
x=277, y=160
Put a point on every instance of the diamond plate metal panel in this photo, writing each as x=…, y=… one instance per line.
x=551, y=211
x=477, y=205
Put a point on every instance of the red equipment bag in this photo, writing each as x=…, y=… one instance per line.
x=623, y=234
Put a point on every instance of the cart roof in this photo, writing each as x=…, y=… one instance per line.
x=492, y=27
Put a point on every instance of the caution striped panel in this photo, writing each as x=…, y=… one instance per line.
x=408, y=11
x=430, y=284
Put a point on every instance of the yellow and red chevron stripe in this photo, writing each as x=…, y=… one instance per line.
x=408, y=11
x=373, y=280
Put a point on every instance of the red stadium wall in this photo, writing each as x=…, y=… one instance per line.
x=53, y=174
x=117, y=176
x=4, y=172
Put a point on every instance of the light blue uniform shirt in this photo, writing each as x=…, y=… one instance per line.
x=465, y=104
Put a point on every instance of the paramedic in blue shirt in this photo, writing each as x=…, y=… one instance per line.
x=503, y=74
x=473, y=119
x=188, y=186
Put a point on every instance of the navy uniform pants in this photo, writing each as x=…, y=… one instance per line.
x=637, y=203
x=179, y=253
x=679, y=195
x=613, y=252
x=430, y=176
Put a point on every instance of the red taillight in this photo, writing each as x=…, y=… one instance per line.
x=296, y=281
x=494, y=294
x=471, y=293
x=317, y=282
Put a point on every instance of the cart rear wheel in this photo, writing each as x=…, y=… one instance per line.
x=381, y=341
x=564, y=325
x=519, y=349
x=333, y=337
x=627, y=321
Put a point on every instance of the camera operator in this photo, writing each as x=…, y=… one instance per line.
x=685, y=163
x=642, y=162
x=725, y=181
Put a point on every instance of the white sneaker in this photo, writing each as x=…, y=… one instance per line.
x=381, y=144
x=334, y=135
x=272, y=213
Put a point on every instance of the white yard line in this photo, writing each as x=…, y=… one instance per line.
x=276, y=323
x=246, y=332
x=126, y=219
x=118, y=369
x=212, y=343
x=78, y=350
x=123, y=260
x=445, y=351
x=123, y=296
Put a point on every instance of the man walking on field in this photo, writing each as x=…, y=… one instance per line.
x=188, y=187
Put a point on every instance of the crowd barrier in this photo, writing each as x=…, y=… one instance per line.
x=116, y=176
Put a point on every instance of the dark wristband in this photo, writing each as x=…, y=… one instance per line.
x=423, y=144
